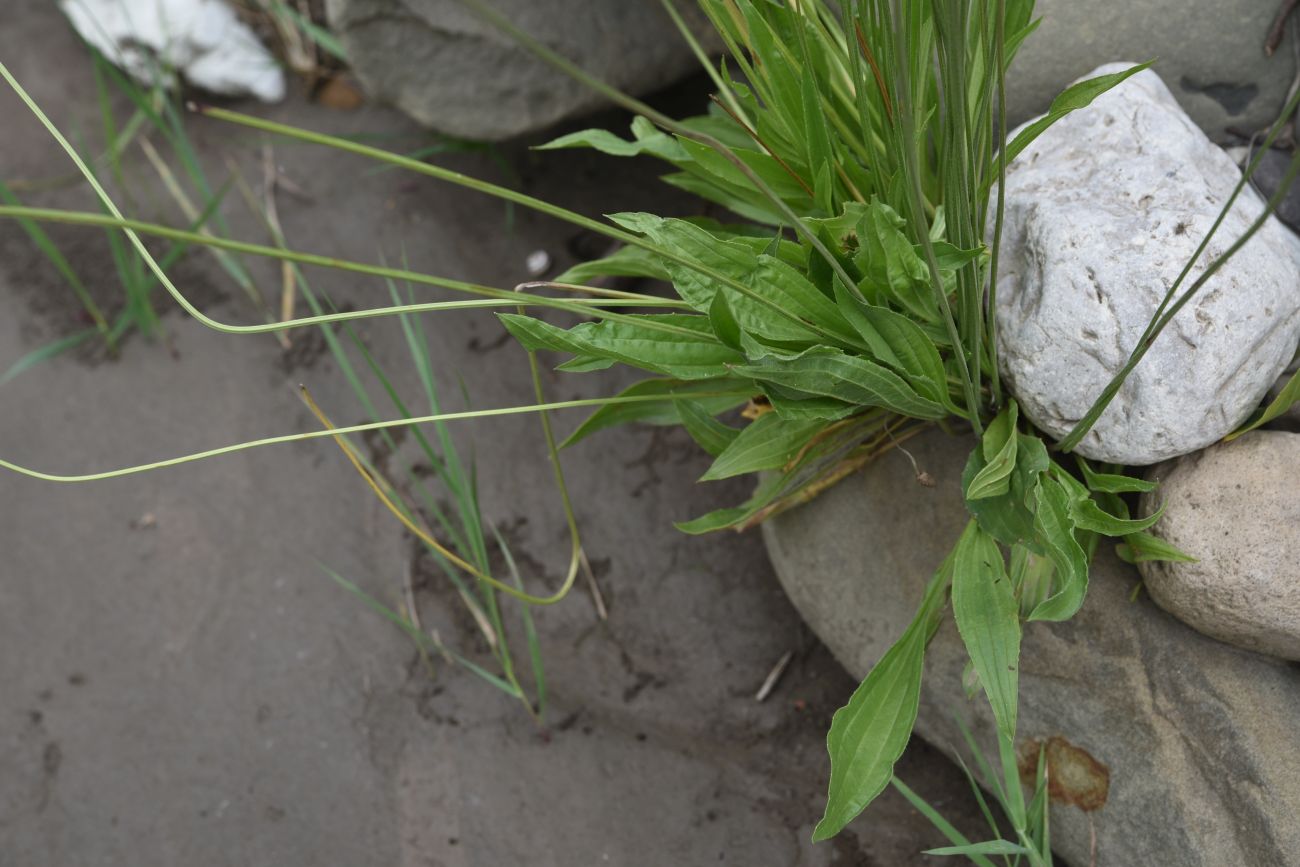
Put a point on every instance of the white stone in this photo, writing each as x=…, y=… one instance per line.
x=1102, y=213
x=1236, y=508
x=200, y=39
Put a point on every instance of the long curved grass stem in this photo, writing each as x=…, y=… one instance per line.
x=542, y=207
x=425, y=537
x=394, y=159
x=506, y=297
x=359, y=428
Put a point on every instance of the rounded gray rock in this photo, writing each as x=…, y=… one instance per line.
x=1211, y=52
x=1102, y=213
x=1199, y=737
x=1236, y=508
x=455, y=73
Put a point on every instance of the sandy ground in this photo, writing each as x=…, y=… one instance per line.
x=180, y=683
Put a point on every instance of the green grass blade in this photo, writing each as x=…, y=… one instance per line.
x=956, y=837
x=56, y=258
x=47, y=352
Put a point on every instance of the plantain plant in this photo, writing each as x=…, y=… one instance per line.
x=845, y=306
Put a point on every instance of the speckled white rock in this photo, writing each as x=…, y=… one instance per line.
x=203, y=40
x=1103, y=211
x=1236, y=508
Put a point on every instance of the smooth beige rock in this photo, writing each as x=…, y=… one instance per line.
x=1200, y=738
x=1236, y=508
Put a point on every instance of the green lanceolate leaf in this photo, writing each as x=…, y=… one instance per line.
x=1076, y=96
x=767, y=443
x=854, y=311
x=776, y=279
x=712, y=168
x=1054, y=533
x=45, y=353
x=583, y=364
x=998, y=447
x=795, y=406
x=1031, y=574
x=824, y=189
x=819, y=154
x=741, y=201
x=712, y=435
x=898, y=342
x=769, y=489
x=671, y=344
x=936, y=818
x=723, y=321
x=830, y=373
x=869, y=733
x=1113, y=483
x=1286, y=398
x=988, y=618
x=657, y=412
x=774, y=285
x=988, y=847
x=1009, y=516
x=1146, y=548
x=647, y=139
x=1087, y=515
x=893, y=272
x=718, y=519
x=624, y=262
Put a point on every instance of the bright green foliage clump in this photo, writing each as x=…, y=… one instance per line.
x=852, y=300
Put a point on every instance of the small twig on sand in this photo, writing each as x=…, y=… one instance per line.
x=408, y=590
x=773, y=676
x=597, y=598
x=922, y=477
x=288, y=282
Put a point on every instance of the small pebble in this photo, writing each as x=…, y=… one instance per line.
x=538, y=263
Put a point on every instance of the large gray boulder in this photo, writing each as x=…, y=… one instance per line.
x=1211, y=52
x=1199, y=737
x=1103, y=212
x=451, y=71
x=438, y=63
x=1236, y=508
